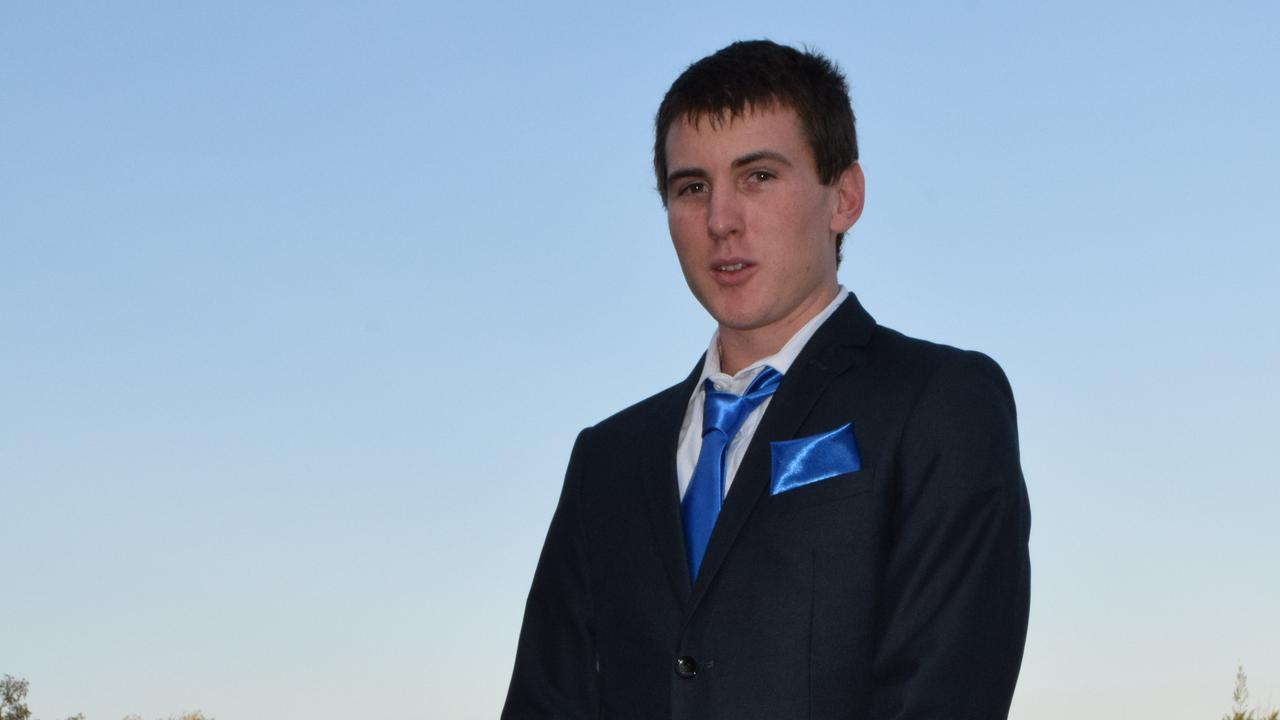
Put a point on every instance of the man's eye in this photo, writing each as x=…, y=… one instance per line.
x=692, y=188
x=761, y=176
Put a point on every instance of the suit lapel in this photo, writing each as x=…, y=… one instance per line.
x=658, y=467
x=834, y=349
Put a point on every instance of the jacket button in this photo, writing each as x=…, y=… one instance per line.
x=686, y=667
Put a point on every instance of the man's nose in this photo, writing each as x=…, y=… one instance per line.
x=724, y=214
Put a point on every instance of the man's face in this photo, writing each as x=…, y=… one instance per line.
x=753, y=226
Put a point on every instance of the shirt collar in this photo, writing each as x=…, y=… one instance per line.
x=780, y=361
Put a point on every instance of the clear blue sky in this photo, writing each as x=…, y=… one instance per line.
x=302, y=304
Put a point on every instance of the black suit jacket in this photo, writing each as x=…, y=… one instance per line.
x=897, y=591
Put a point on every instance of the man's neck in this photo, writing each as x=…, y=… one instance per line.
x=740, y=348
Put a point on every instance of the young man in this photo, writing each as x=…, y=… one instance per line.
x=826, y=519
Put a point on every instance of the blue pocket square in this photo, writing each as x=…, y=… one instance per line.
x=810, y=459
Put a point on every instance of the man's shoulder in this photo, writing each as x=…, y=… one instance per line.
x=941, y=386
x=898, y=362
x=901, y=354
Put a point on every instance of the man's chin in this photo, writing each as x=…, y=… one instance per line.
x=741, y=320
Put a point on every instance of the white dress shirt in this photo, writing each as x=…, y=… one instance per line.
x=691, y=429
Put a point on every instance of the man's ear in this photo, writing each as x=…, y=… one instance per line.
x=850, y=193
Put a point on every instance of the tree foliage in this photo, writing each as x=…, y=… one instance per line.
x=1240, y=709
x=13, y=694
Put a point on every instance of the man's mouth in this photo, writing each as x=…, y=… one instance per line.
x=732, y=271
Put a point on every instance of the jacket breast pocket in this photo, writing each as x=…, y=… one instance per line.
x=834, y=511
x=829, y=490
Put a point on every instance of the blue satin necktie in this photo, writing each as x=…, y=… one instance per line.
x=722, y=415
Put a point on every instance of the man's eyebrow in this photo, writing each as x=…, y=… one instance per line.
x=759, y=155
x=684, y=173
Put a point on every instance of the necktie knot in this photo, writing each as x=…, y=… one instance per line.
x=725, y=411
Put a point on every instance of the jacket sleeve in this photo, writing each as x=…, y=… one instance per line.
x=953, y=614
x=555, y=667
